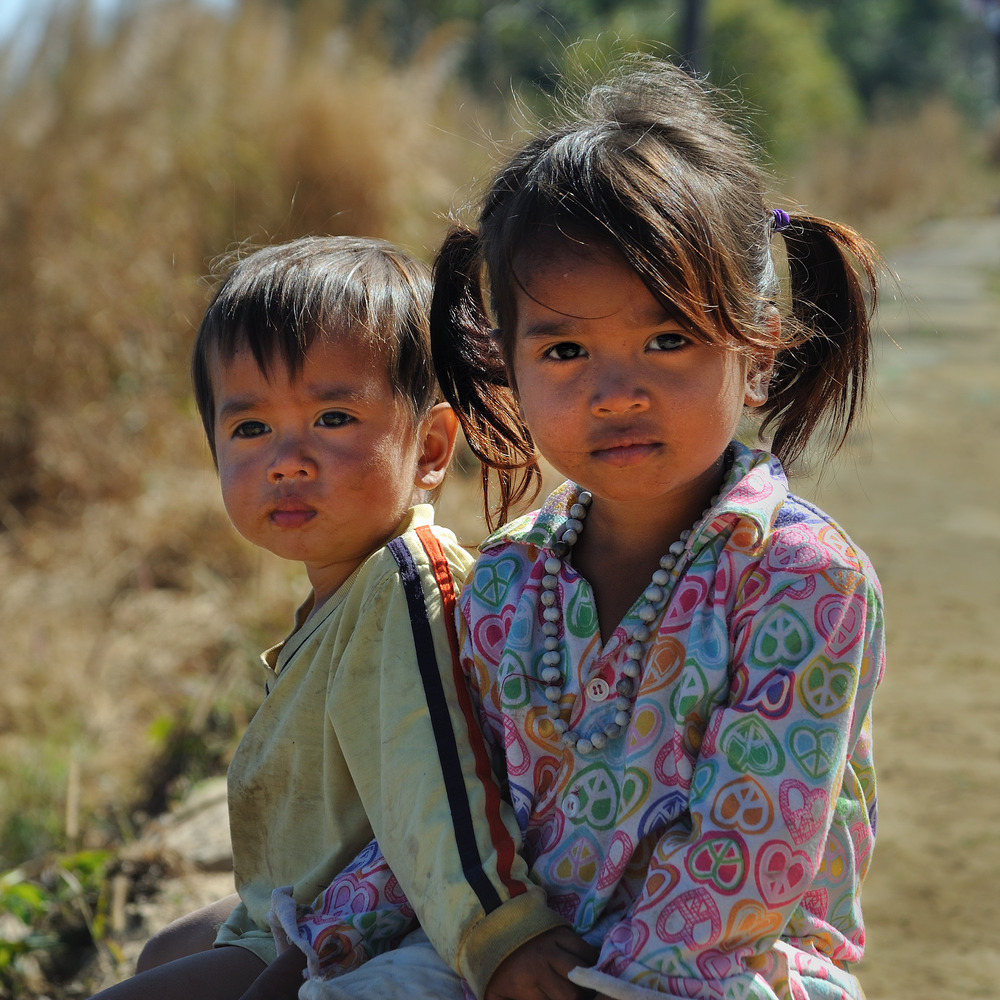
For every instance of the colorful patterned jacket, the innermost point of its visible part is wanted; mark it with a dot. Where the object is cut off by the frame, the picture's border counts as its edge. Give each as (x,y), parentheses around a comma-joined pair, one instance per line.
(717,850)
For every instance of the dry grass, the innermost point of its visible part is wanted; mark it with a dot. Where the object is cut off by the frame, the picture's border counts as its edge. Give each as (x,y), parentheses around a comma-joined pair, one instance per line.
(129,162)
(130,611)
(892,175)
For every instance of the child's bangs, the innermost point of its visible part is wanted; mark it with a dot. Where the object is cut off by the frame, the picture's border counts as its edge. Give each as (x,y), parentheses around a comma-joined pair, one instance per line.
(277,312)
(279,316)
(657,236)
(696,290)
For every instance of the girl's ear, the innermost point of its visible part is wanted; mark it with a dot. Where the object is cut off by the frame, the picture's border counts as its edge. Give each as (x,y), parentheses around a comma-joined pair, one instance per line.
(437,435)
(761,363)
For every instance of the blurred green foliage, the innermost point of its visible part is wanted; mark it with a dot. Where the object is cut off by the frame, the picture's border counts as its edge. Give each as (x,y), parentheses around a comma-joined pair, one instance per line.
(775,55)
(29,825)
(903,51)
(834,57)
(47,913)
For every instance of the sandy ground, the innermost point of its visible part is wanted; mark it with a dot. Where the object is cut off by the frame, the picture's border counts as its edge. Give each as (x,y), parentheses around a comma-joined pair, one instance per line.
(918,490)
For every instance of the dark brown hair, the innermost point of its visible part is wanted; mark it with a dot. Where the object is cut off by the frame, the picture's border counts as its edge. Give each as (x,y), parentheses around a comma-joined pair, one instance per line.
(645,163)
(278,299)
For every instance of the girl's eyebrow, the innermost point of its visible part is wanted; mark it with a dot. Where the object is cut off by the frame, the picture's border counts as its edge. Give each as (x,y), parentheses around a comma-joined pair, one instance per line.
(654,316)
(547,328)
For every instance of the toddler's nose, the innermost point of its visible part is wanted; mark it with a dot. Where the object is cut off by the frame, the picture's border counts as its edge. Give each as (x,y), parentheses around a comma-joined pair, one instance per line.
(291,462)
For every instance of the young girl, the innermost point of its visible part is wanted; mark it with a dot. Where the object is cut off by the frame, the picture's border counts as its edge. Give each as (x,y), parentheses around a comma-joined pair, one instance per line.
(673,660)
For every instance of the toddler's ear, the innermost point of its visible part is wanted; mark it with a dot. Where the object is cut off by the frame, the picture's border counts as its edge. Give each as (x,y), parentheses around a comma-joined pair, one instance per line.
(761,363)
(437,434)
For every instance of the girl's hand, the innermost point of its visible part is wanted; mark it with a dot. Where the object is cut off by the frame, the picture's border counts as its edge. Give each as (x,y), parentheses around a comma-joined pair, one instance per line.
(538,969)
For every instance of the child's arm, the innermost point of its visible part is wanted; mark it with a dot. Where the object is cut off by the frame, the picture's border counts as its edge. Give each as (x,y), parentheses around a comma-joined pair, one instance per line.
(413,744)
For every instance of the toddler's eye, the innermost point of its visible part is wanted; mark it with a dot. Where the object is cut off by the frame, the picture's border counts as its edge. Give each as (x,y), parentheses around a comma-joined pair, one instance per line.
(334,418)
(565,351)
(250,429)
(667,342)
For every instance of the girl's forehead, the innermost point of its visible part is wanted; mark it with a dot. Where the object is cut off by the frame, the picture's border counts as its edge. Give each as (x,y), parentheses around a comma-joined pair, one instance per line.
(560,280)
(582,284)
(549,242)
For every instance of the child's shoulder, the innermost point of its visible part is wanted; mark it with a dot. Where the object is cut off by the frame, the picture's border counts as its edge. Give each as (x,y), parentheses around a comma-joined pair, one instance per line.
(788,533)
(809,532)
(422,565)
(426,553)
(423,546)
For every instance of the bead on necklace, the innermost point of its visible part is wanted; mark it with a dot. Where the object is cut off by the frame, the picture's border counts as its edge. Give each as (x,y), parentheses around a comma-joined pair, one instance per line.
(654,600)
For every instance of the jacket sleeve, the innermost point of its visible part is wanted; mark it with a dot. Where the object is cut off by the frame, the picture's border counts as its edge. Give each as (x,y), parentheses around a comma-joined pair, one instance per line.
(362,913)
(782,801)
(403,714)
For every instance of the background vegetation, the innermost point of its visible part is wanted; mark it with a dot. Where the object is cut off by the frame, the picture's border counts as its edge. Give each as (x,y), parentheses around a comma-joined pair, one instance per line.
(134,150)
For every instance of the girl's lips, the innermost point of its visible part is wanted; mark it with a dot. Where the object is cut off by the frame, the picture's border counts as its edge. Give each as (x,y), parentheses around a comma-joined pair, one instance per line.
(621,455)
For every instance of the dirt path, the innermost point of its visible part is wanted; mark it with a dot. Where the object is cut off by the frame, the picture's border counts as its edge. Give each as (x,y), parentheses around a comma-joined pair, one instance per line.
(919,491)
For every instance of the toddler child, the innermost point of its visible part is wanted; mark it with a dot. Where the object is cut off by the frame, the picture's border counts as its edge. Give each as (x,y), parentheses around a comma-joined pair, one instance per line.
(674,659)
(313,376)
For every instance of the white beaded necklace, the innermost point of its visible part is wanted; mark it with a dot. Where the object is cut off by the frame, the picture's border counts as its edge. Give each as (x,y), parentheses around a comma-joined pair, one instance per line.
(655,597)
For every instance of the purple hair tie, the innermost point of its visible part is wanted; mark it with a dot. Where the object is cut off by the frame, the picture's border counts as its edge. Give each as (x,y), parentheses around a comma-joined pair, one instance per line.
(780,219)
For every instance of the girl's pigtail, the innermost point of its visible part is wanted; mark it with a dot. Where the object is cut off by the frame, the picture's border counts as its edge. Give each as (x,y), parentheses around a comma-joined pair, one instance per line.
(822,375)
(473,376)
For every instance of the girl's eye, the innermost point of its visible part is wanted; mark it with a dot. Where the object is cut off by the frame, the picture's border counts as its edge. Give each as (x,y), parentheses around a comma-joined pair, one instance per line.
(565,351)
(334,418)
(668,342)
(250,429)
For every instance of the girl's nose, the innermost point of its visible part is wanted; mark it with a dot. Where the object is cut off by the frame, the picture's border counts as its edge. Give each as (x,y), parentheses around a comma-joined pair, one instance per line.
(618,394)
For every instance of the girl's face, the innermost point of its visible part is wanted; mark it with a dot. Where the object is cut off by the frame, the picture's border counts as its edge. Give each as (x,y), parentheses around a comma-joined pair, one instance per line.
(617,396)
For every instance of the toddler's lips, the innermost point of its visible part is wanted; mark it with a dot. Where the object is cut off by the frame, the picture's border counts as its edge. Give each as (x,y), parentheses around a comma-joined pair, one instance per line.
(292,515)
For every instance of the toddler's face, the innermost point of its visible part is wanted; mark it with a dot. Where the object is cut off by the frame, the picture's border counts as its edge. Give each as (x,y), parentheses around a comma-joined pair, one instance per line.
(319,468)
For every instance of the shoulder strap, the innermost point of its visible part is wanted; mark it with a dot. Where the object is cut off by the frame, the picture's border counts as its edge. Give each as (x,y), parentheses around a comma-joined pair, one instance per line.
(437,702)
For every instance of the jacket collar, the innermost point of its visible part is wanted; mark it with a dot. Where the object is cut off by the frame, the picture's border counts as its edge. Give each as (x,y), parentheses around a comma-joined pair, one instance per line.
(752,495)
